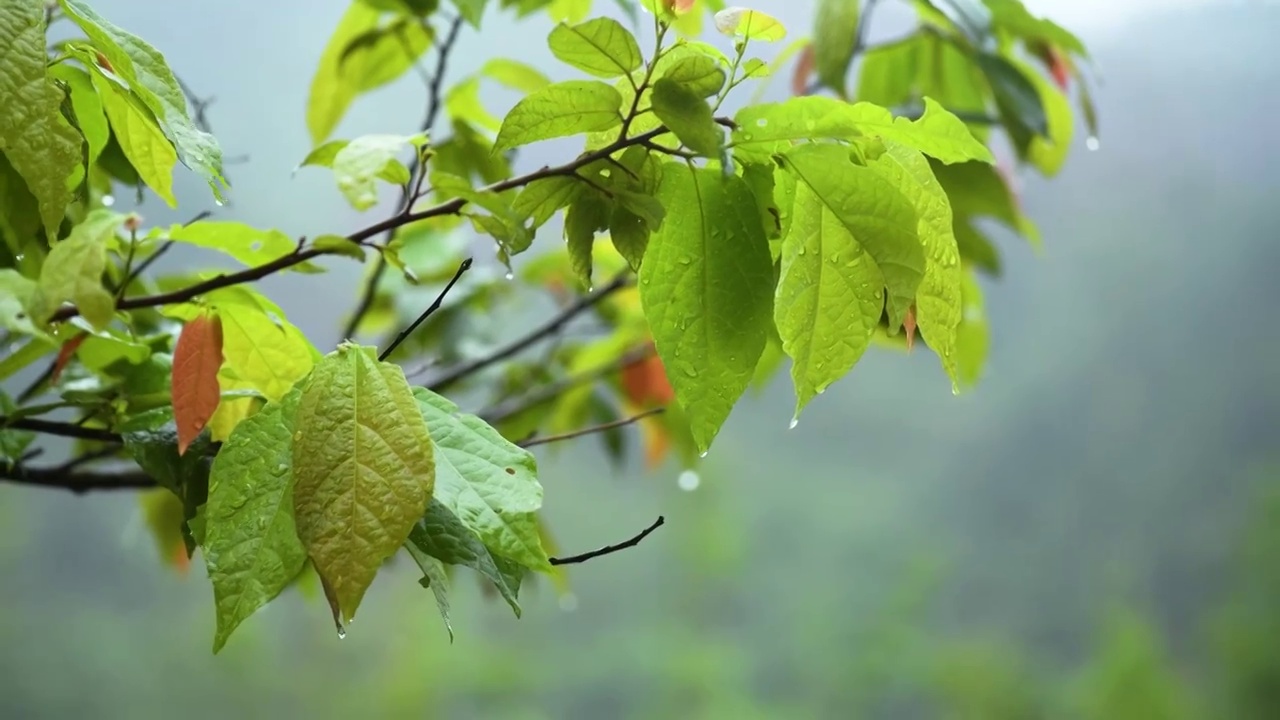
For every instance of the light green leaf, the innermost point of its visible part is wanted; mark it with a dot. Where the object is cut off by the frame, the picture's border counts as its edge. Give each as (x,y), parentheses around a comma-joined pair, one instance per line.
(586,216)
(1049,152)
(878,216)
(471,10)
(600,47)
(889,73)
(339,245)
(749,24)
(830,296)
(540,199)
(16,296)
(687,115)
(937,133)
(972,337)
(434,578)
(342,75)
(769,128)
(938,298)
(73,270)
(251,547)
(149,76)
(505,224)
(696,72)
(834,37)
(443,536)
(515,74)
(358,163)
(705,287)
(488,483)
(246,244)
(90,116)
(560,110)
(34,136)
(363,469)
(142,140)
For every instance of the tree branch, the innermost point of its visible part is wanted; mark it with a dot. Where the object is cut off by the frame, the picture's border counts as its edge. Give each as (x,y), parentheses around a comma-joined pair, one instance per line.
(548,329)
(497,414)
(60,429)
(449,207)
(594,429)
(409,193)
(610,549)
(465,266)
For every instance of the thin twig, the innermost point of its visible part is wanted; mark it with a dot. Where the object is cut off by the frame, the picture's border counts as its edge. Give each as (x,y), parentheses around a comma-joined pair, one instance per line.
(548,329)
(410,190)
(610,549)
(498,413)
(59,478)
(465,266)
(60,429)
(603,427)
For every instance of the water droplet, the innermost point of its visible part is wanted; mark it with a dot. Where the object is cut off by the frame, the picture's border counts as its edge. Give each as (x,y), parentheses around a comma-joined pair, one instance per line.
(108,200)
(746,136)
(689,480)
(297,436)
(802,250)
(955,389)
(690,370)
(686,260)
(703,454)
(1092,143)
(281,469)
(568,602)
(762,122)
(219,203)
(342,633)
(794,422)
(510,275)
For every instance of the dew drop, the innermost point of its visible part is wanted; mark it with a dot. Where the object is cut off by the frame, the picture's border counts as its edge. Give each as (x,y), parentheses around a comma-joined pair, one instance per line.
(1092,143)
(568,602)
(762,122)
(703,454)
(297,436)
(342,633)
(690,370)
(510,275)
(108,200)
(686,260)
(794,422)
(219,203)
(688,480)
(281,469)
(802,250)
(955,389)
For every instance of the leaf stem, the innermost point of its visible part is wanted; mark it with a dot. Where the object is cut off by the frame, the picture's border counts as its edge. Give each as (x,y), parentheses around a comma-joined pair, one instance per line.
(463,268)
(594,429)
(610,549)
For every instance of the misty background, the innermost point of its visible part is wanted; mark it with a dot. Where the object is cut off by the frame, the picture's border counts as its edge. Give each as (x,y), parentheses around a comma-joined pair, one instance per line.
(1090,526)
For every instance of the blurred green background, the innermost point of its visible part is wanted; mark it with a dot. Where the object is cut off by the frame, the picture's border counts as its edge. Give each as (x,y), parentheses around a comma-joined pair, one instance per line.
(1094,532)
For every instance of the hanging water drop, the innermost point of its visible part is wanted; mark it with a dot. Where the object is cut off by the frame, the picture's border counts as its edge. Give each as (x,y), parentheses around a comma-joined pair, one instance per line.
(703,454)
(794,422)
(510,275)
(690,370)
(1092,143)
(108,200)
(688,481)
(955,389)
(342,633)
(218,202)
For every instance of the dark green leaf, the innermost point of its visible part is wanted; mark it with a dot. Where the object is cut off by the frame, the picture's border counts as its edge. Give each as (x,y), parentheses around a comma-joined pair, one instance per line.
(687,115)
(443,536)
(584,218)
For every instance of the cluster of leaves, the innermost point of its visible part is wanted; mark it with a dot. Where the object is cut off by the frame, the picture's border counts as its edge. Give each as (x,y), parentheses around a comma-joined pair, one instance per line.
(800,230)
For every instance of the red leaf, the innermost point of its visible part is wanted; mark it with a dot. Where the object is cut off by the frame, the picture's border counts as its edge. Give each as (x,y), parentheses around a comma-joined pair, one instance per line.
(64,356)
(804,69)
(644,382)
(909,323)
(1060,67)
(104,63)
(196,361)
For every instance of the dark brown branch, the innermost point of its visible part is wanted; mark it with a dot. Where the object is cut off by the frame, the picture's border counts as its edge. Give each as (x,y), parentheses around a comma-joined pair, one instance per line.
(409,193)
(64,479)
(50,427)
(594,429)
(610,549)
(465,266)
(551,327)
(497,414)
(450,207)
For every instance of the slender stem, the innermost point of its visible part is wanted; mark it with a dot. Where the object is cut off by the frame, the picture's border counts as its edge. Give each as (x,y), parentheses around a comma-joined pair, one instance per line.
(610,549)
(498,413)
(603,427)
(64,479)
(463,268)
(50,427)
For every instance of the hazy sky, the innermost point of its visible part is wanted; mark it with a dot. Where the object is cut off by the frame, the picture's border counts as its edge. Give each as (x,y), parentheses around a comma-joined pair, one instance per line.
(1096,15)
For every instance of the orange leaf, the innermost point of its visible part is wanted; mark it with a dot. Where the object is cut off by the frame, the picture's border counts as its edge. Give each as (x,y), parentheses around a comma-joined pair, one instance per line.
(909,322)
(196,361)
(104,63)
(64,356)
(644,382)
(657,441)
(804,68)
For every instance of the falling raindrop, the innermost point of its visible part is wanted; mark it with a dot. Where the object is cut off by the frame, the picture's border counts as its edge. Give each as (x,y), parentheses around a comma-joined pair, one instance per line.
(568,602)
(108,200)
(510,275)
(342,633)
(219,203)
(688,481)
(1092,143)
(794,422)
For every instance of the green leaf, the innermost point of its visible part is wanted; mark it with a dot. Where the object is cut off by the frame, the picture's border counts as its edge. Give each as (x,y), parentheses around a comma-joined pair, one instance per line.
(830,296)
(471,10)
(488,483)
(972,337)
(878,216)
(151,439)
(358,163)
(541,199)
(13,443)
(586,216)
(938,298)
(834,36)
(443,536)
(515,74)
(505,225)
(600,47)
(34,136)
(246,244)
(141,139)
(73,270)
(560,110)
(435,579)
(769,128)
(19,211)
(889,73)
(629,234)
(687,115)
(251,546)
(977,190)
(1016,96)
(342,75)
(749,24)
(696,72)
(90,117)
(150,78)
(706,289)
(937,133)
(363,469)
(1049,152)
(339,245)
(16,296)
